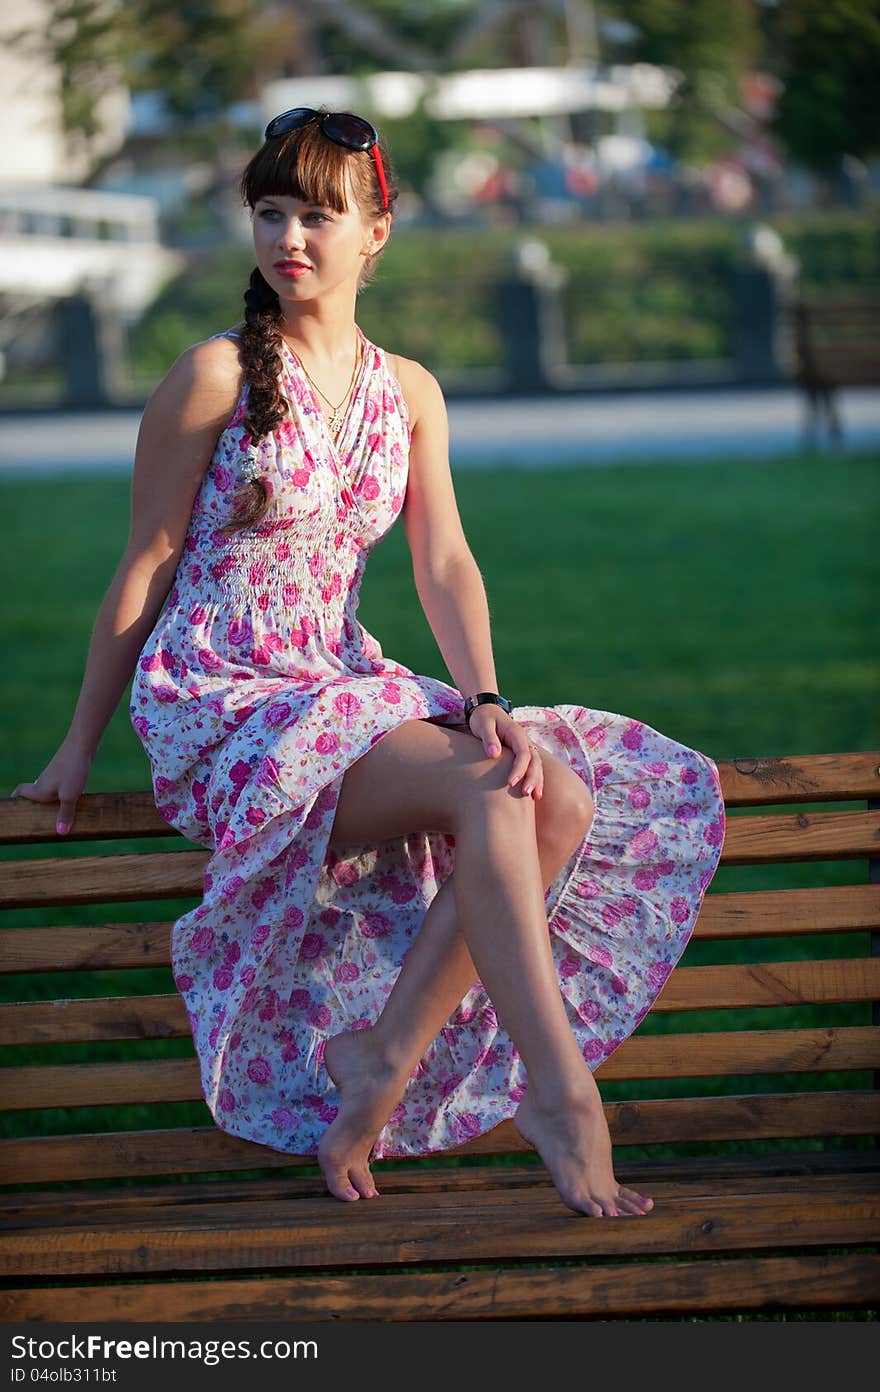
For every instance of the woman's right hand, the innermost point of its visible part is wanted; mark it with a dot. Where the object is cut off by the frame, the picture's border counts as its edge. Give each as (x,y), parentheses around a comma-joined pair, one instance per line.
(62,780)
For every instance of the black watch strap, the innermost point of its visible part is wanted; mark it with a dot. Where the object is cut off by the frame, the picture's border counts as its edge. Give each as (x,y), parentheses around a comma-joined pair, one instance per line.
(483,698)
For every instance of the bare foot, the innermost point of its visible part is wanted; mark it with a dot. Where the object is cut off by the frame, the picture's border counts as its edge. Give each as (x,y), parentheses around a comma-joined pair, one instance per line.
(575,1145)
(370,1088)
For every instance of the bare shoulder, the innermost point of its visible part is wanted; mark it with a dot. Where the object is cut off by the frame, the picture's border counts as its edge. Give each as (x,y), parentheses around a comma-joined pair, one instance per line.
(182,420)
(196,398)
(421,390)
(208,376)
(216,356)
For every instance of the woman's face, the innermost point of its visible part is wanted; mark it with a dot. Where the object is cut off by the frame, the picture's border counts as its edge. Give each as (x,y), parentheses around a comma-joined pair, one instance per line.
(333,246)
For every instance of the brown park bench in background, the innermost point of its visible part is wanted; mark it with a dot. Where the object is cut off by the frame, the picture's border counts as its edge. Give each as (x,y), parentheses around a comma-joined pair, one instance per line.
(783,1216)
(834,343)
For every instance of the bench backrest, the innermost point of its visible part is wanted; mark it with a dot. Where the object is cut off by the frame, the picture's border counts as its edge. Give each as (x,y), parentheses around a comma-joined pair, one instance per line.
(835,342)
(805,947)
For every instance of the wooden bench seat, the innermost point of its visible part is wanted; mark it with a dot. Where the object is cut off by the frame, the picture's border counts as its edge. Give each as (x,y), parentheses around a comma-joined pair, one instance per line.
(767,1197)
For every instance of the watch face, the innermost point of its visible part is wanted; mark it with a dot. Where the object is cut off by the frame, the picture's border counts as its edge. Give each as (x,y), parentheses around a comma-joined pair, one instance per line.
(472,702)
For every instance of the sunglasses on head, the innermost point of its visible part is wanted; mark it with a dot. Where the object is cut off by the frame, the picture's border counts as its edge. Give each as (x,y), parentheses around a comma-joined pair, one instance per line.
(342,126)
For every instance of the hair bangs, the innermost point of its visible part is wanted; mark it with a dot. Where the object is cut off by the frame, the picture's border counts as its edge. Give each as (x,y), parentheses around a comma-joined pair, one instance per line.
(302,164)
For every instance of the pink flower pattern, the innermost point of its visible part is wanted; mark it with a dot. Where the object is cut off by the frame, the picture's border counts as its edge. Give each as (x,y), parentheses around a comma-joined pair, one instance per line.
(254,693)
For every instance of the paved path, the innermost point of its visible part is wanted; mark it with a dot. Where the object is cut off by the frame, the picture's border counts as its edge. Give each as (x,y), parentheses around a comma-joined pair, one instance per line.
(614,428)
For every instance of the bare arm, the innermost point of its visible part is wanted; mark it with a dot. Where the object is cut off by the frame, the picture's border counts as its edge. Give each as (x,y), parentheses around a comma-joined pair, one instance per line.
(178,433)
(448,580)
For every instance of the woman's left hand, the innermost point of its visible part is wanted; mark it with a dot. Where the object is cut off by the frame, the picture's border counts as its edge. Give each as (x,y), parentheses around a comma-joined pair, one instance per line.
(491,724)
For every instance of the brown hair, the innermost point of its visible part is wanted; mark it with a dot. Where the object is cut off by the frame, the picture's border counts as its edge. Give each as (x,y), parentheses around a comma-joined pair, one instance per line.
(303,164)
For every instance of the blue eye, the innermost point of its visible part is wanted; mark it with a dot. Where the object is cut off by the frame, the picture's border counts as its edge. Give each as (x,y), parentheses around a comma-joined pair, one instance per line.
(266,212)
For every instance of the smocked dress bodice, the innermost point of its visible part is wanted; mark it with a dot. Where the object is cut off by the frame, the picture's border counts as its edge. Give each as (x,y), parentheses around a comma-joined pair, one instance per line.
(285,591)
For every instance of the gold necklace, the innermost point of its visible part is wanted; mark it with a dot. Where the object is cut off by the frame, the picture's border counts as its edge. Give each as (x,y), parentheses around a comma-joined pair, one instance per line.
(338,414)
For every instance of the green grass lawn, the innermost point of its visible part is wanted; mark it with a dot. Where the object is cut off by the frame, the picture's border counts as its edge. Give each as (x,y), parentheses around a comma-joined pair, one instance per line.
(731,606)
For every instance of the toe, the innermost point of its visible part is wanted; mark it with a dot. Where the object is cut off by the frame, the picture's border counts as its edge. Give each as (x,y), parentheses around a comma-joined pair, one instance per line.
(627,1207)
(341,1189)
(363,1182)
(337,1181)
(642,1202)
(589,1206)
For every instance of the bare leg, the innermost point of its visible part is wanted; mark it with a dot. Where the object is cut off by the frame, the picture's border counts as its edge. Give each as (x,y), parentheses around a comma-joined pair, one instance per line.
(419,780)
(501,912)
(372,1066)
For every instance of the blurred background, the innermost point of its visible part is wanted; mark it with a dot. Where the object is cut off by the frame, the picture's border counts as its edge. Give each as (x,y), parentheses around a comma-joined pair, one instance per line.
(625,195)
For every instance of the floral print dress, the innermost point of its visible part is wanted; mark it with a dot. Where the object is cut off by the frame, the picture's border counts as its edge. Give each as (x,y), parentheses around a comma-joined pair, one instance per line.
(257,689)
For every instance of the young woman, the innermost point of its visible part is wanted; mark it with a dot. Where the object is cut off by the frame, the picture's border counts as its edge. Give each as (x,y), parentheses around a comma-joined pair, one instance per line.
(426,910)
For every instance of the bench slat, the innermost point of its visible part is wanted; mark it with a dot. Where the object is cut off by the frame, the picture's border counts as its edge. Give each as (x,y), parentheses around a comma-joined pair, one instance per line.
(689,1287)
(857,305)
(87,947)
(59,881)
(834,369)
(463,1226)
(99,817)
(744,782)
(759,913)
(763,782)
(102,879)
(668,1121)
(732,986)
(151,1080)
(711,1174)
(490,1180)
(301,1208)
(801,836)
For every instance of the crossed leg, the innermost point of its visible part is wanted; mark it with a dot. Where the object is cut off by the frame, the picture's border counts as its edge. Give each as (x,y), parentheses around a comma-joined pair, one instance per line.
(374,1064)
(428,777)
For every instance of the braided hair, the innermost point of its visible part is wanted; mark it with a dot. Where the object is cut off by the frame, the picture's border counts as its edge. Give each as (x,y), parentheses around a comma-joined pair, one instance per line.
(303,164)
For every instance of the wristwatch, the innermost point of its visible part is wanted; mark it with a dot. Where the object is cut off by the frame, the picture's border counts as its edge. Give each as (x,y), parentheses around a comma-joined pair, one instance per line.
(482,698)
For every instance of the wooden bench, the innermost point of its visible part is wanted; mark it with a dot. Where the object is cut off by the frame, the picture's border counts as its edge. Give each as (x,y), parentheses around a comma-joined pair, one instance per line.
(832,343)
(767,1194)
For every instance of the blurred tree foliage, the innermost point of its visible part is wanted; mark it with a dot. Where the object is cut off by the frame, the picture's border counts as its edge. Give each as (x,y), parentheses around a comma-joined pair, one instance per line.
(201,56)
(204,55)
(829,56)
(711,45)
